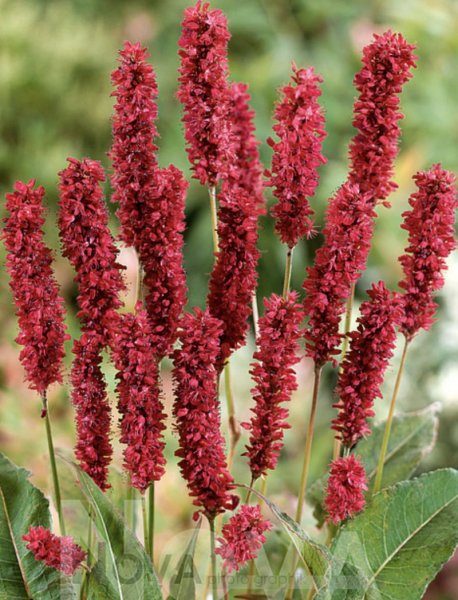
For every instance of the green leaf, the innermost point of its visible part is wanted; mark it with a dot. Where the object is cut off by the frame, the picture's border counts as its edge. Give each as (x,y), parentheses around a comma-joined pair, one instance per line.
(123,570)
(182,585)
(23,506)
(413,436)
(315,557)
(402,539)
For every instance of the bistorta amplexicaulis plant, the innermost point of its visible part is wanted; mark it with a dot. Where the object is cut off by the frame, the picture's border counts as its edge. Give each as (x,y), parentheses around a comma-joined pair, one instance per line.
(378,531)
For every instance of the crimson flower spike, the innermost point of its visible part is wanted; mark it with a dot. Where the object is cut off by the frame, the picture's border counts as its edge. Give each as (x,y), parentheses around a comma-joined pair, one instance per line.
(345,490)
(387,64)
(297,155)
(364,366)
(39,306)
(203,91)
(275,380)
(234,276)
(133,152)
(60,553)
(139,404)
(338,264)
(197,417)
(430,224)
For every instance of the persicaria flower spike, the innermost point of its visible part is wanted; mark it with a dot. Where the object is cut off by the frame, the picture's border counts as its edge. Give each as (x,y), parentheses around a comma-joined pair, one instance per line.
(364,366)
(89,245)
(297,155)
(430,224)
(338,264)
(346,486)
(60,553)
(196,411)
(242,537)
(93,447)
(234,276)
(203,91)
(387,64)
(133,152)
(275,380)
(39,306)
(139,402)
(161,256)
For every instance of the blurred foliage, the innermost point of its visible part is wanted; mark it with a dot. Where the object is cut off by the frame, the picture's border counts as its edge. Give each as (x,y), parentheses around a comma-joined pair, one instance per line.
(55,62)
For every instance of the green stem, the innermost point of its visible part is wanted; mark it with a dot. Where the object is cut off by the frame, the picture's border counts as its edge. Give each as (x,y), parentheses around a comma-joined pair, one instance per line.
(151,521)
(52,458)
(255,316)
(308,445)
(389,421)
(145,523)
(234,429)
(213,559)
(213,211)
(346,342)
(288,270)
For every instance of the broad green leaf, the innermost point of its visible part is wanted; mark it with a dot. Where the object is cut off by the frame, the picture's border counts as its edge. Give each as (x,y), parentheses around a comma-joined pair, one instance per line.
(23,506)
(402,539)
(315,558)
(182,584)
(123,570)
(413,436)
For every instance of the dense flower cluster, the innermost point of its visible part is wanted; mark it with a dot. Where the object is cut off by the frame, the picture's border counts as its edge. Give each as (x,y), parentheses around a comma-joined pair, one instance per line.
(60,553)
(161,256)
(134,130)
(139,404)
(430,224)
(338,264)
(39,306)
(297,155)
(275,380)
(242,537)
(387,63)
(234,276)
(196,410)
(93,448)
(204,91)
(346,486)
(89,245)
(362,371)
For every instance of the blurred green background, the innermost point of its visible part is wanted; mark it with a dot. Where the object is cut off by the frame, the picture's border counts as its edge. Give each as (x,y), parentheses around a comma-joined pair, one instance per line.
(55,64)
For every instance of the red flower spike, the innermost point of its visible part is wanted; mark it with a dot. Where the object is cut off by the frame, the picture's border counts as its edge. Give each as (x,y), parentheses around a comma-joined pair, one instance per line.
(140,406)
(364,366)
(93,448)
(346,486)
(430,224)
(161,255)
(204,91)
(297,155)
(196,411)
(133,152)
(60,553)
(242,537)
(234,276)
(275,380)
(338,264)
(39,306)
(89,246)
(387,63)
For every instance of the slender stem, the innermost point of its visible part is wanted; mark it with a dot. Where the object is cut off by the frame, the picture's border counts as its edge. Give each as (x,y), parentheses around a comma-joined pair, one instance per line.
(248,496)
(213,559)
(212,193)
(151,521)
(234,429)
(308,445)
(346,341)
(84,594)
(389,421)
(52,459)
(288,270)
(255,316)
(145,524)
